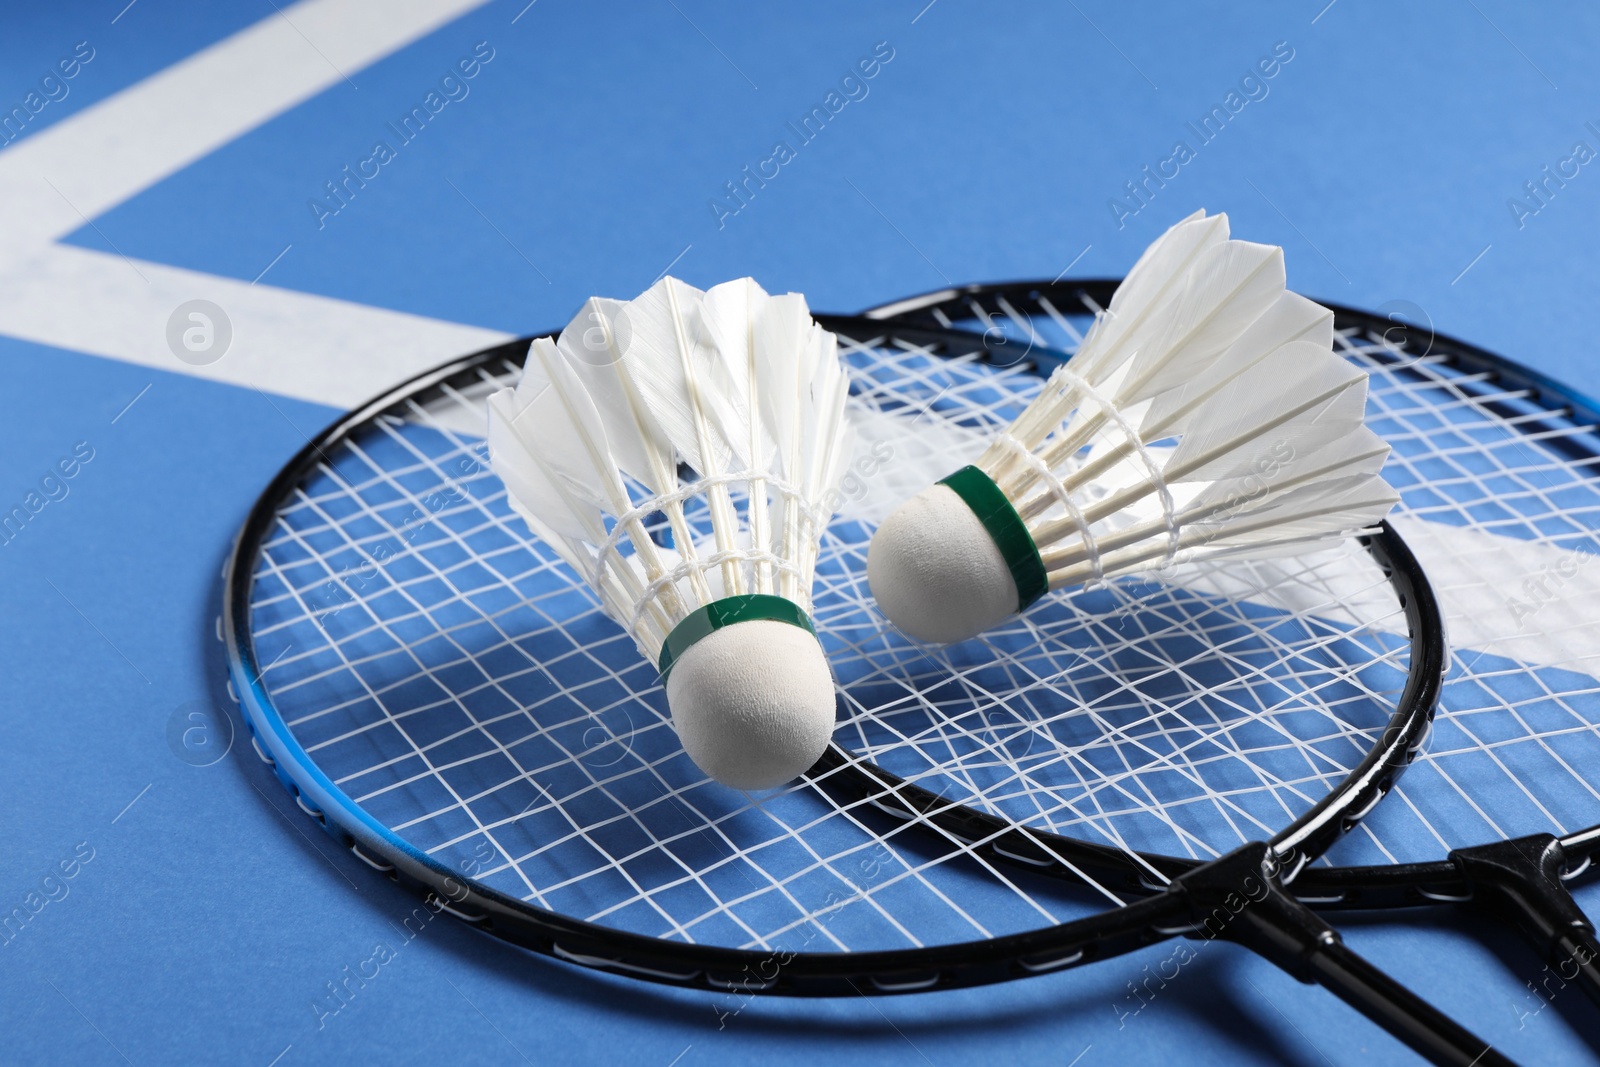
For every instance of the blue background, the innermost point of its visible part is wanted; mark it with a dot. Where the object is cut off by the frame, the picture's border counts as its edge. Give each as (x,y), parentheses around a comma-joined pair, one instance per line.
(212,914)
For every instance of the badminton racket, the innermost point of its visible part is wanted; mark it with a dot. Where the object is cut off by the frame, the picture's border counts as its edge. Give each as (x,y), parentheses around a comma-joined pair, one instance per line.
(448,701)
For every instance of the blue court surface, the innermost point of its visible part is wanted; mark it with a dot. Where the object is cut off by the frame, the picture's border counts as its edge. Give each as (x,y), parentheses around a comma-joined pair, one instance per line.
(360,189)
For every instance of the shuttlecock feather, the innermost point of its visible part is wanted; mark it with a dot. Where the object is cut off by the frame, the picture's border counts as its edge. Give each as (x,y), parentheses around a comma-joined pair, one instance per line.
(1205,415)
(679,451)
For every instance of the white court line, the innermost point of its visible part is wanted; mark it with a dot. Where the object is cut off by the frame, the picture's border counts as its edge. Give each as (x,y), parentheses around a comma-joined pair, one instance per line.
(1480,577)
(296,344)
(128,142)
(1500,595)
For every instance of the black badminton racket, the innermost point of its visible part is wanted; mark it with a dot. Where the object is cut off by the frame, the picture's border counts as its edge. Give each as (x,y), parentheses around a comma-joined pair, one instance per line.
(446,698)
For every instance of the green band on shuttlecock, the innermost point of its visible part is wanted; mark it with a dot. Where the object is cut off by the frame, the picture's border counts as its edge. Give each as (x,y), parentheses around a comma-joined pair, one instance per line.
(725,612)
(978,491)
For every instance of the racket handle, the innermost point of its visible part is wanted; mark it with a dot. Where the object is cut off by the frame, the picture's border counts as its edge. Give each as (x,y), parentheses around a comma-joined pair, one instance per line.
(1520,880)
(1239,898)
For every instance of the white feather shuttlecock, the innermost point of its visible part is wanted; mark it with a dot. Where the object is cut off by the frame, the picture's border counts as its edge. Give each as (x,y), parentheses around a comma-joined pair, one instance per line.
(1205,415)
(679,451)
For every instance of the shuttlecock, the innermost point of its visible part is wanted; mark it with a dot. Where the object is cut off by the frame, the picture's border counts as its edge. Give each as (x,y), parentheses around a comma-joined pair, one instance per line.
(1205,414)
(678,450)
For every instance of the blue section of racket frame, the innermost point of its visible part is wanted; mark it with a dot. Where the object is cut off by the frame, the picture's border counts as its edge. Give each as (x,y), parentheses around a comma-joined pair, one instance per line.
(348,823)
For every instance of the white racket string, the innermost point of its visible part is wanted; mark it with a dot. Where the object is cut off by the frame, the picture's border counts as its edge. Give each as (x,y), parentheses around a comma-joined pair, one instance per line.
(459,683)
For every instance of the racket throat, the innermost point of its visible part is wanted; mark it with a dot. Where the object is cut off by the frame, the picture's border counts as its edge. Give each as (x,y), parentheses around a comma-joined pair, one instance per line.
(1522,880)
(1240,898)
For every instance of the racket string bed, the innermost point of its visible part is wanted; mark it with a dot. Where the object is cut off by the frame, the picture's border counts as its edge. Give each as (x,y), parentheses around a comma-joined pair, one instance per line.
(460,710)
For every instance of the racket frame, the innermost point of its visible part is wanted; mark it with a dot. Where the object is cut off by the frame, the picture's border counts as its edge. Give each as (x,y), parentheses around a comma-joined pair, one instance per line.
(1276,925)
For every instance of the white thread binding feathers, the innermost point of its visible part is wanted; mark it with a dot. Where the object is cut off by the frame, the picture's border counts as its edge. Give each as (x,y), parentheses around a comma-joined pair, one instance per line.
(1201,344)
(747,391)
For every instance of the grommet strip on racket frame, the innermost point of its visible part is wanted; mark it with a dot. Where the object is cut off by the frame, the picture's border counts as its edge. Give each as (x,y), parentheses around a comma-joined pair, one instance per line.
(1276,926)
(1521,880)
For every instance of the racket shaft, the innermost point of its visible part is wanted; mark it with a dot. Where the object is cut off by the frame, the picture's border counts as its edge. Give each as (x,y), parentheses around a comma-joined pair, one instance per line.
(1578,951)
(1239,898)
(1428,1031)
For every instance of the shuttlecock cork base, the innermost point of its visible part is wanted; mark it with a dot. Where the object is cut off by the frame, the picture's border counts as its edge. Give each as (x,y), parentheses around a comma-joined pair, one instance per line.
(954,560)
(749,689)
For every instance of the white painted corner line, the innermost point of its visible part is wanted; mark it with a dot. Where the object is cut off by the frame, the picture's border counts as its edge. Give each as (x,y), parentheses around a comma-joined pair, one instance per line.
(296,344)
